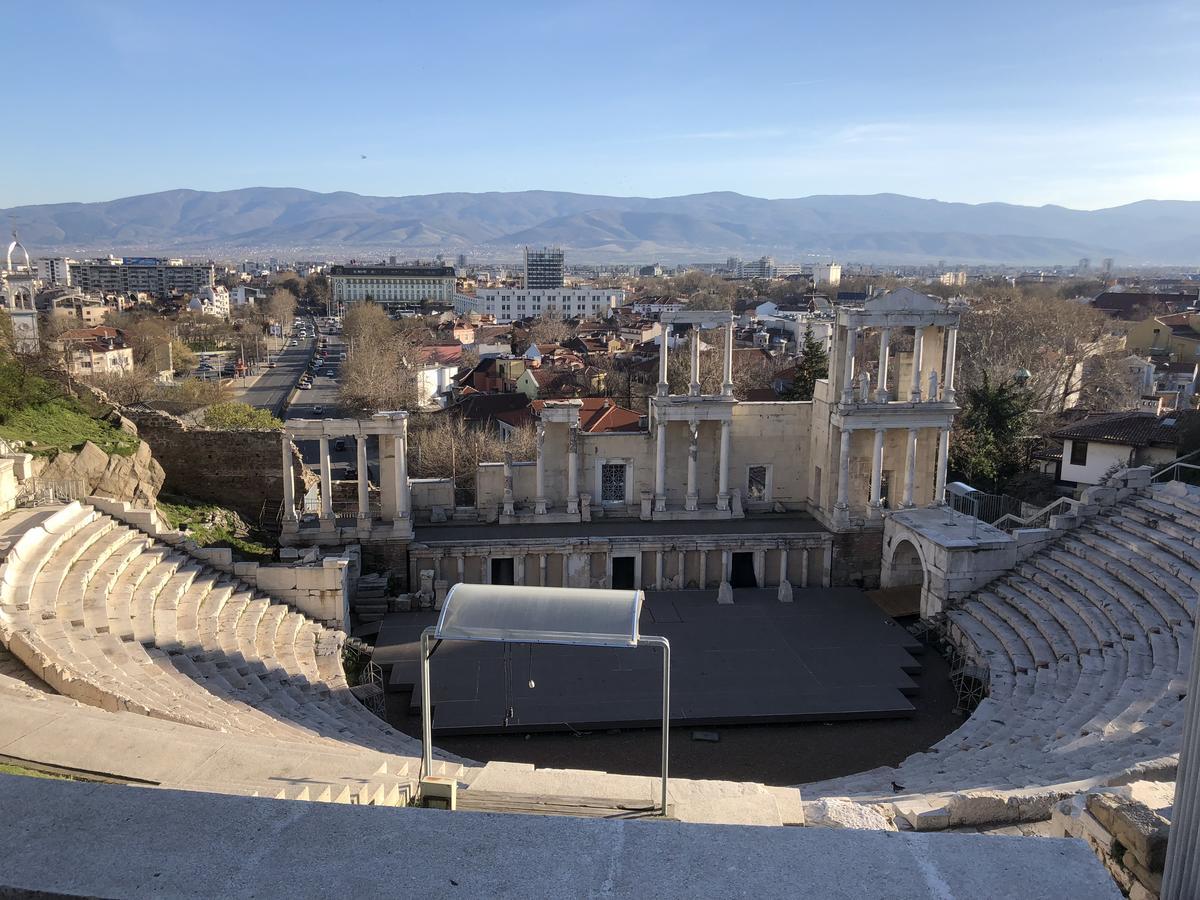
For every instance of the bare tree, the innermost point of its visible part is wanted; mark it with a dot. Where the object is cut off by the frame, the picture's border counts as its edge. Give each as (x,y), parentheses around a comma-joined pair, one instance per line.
(1068,348)
(281,306)
(380,371)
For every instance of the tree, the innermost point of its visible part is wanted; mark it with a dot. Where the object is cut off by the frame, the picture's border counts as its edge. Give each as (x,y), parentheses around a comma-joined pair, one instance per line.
(990,441)
(281,306)
(239,417)
(380,371)
(812,366)
(182,358)
(1069,349)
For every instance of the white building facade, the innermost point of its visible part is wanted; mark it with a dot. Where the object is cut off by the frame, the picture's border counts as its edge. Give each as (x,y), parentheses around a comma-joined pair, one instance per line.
(398,288)
(512,304)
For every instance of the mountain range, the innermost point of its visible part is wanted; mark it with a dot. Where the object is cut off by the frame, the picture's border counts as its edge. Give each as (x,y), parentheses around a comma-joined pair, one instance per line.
(881,228)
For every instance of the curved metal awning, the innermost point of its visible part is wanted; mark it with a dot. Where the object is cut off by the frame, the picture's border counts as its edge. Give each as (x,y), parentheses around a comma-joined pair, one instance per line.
(540,615)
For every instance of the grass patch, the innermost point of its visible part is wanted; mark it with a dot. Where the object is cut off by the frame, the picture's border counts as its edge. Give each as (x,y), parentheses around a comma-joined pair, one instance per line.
(10,769)
(59,425)
(214,526)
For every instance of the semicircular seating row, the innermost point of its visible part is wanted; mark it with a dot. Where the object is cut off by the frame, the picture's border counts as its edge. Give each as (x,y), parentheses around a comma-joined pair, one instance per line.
(1087,645)
(112,618)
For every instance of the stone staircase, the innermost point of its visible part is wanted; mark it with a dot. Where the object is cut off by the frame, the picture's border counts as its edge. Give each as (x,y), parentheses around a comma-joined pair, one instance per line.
(104,615)
(1087,645)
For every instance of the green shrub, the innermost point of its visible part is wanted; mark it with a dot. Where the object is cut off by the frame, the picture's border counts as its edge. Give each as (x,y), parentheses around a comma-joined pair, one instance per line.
(240,417)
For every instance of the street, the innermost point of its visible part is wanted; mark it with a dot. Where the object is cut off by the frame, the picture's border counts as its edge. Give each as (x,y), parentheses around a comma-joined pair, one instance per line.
(271,387)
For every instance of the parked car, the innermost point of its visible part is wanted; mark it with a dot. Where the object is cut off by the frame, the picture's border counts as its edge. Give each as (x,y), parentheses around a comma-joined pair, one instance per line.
(331,373)
(305,386)
(318,410)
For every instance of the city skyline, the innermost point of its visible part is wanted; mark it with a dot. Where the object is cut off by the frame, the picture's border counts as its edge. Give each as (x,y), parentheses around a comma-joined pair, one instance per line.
(1028,106)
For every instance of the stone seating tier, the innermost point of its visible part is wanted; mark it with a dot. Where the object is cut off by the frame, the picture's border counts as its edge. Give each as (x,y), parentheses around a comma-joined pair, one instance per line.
(109,617)
(1087,646)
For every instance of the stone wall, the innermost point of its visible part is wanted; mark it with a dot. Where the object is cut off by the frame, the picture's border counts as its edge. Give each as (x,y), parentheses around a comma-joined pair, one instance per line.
(856,558)
(239,470)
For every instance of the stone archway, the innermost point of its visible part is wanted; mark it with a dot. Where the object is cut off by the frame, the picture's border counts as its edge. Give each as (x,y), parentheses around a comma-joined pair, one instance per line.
(904,566)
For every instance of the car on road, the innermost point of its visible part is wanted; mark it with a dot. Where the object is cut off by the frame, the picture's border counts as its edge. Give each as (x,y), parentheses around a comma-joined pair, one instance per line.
(305,386)
(272,364)
(318,410)
(295,343)
(331,373)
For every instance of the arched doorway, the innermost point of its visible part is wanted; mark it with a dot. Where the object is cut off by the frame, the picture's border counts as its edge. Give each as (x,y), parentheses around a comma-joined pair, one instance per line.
(906,568)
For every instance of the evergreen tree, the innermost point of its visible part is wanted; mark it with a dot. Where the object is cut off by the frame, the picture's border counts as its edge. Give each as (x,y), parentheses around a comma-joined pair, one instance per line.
(812,365)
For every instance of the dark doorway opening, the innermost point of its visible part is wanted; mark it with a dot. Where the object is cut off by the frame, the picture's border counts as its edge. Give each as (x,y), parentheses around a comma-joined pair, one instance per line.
(623,573)
(742,574)
(502,570)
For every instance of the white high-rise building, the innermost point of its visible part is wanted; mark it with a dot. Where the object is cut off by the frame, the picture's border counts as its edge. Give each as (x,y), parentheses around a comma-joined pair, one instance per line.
(55,270)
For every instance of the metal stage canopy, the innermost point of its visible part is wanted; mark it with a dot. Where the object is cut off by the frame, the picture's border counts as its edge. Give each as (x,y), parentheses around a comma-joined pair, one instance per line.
(540,615)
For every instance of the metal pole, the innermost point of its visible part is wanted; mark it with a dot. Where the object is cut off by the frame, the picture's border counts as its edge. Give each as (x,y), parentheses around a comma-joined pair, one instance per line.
(426,714)
(666,708)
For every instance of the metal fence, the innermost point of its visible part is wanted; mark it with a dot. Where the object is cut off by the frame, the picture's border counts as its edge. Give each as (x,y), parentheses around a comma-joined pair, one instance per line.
(986,507)
(40,491)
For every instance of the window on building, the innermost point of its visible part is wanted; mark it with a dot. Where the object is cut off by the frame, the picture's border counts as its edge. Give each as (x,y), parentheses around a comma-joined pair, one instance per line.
(756,483)
(612,483)
(1079,453)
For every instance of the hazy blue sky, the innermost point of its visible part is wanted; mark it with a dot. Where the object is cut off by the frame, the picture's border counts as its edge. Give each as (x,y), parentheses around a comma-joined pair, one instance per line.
(1086,104)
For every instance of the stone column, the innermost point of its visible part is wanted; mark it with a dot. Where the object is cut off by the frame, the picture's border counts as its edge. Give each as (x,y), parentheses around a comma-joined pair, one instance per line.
(848,372)
(843,484)
(509,508)
(573,469)
(402,499)
(877,468)
(694,380)
(726,565)
(326,481)
(881,392)
(727,380)
(541,570)
(723,469)
(702,581)
(658,570)
(364,489)
(519,569)
(664,340)
(783,561)
(910,468)
(939,488)
(486,563)
(804,568)
(914,394)
(289,482)
(1181,876)
(760,568)
(691,501)
(948,374)
(539,502)
(682,570)
(461,563)
(827,574)
(660,467)
(398,476)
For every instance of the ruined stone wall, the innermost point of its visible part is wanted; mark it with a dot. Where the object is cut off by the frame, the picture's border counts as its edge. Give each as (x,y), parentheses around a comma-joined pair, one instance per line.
(239,470)
(856,558)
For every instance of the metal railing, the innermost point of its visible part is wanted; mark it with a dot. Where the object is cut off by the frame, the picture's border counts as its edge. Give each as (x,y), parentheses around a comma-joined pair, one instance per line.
(1180,469)
(40,491)
(1039,518)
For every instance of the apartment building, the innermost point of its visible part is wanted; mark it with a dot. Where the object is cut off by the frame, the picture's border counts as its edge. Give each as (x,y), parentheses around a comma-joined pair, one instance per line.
(132,274)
